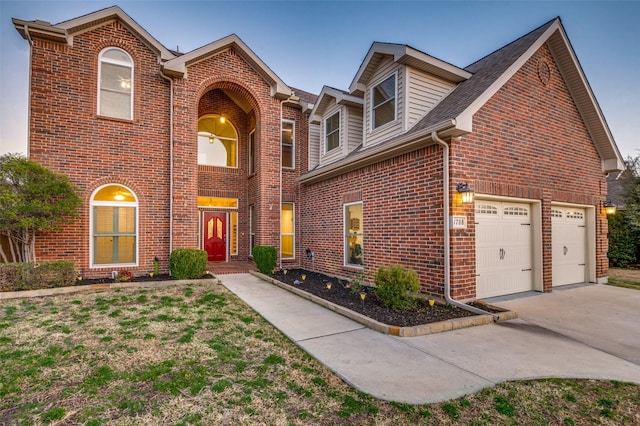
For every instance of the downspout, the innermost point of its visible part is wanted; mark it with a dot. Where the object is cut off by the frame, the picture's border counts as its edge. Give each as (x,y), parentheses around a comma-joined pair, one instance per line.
(30,41)
(447,232)
(170,80)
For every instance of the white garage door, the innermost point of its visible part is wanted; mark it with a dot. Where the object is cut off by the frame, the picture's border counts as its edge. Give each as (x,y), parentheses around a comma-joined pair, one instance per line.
(569,245)
(503,248)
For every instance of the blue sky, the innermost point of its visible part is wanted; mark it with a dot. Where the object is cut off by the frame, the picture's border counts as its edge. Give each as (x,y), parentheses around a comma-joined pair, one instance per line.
(314,43)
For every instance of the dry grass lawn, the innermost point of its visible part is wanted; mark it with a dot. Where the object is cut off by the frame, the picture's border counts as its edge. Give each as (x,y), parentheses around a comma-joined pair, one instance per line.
(197,355)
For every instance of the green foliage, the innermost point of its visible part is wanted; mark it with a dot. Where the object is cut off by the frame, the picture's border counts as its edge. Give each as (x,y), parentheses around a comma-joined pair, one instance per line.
(357,283)
(623,241)
(187,264)
(33,276)
(124,276)
(265,258)
(396,287)
(33,199)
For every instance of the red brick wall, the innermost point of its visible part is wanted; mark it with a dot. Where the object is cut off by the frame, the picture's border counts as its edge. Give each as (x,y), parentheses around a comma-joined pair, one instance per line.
(402,217)
(66,135)
(528,141)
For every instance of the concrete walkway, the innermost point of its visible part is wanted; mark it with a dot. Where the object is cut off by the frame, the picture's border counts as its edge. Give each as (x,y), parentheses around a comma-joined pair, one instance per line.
(436,367)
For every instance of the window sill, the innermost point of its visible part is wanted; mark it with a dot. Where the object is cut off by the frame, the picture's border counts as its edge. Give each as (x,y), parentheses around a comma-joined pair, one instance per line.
(116,119)
(352,268)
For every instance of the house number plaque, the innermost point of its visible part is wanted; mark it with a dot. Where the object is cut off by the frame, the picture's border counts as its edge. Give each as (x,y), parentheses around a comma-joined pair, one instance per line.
(458,222)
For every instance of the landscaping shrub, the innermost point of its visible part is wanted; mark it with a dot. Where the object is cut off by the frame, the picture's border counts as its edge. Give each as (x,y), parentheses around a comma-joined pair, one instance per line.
(265,258)
(124,276)
(187,264)
(396,287)
(34,276)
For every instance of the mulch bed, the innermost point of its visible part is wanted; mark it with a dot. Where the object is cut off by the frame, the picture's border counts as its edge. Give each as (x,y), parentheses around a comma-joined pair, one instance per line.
(341,294)
(138,279)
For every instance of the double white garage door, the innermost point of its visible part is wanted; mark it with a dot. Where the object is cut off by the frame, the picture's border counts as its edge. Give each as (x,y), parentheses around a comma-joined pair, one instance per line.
(505,247)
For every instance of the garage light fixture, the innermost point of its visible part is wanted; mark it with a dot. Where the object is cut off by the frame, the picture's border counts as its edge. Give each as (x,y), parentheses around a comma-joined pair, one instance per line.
(608,207)
(465,192)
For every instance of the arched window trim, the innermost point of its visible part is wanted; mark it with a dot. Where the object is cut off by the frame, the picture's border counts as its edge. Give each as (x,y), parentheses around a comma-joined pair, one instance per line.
(92,204)
(129,64)
(237,140)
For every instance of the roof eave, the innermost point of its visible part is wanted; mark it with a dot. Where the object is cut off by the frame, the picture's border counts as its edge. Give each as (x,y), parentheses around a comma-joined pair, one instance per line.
(177,67)
(402,145)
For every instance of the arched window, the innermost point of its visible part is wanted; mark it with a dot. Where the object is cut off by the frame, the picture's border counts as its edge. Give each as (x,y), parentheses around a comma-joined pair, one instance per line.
(115,91)
(114,226)
(217,142)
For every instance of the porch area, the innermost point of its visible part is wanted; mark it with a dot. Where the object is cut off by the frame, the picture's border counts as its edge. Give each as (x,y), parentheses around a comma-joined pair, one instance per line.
(238,267)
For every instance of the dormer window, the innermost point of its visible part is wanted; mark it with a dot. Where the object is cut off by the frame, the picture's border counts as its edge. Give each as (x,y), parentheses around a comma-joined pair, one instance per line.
(332,132)
(115,95)
(383,102)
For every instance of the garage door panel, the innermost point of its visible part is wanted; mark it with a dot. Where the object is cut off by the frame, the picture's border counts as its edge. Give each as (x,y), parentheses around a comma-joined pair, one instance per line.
(569,245)
(503,248)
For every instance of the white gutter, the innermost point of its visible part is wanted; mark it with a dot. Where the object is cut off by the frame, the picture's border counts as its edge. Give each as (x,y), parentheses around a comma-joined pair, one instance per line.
(170,80)
(447,232)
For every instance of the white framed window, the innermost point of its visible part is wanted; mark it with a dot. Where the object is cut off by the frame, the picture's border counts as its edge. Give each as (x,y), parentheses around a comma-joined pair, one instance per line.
(252,152)
(287,231)
(332,132)
(114,227)
(383,102)
(252,229)
(217,142)
(353,236)
(115,84)
(288,139)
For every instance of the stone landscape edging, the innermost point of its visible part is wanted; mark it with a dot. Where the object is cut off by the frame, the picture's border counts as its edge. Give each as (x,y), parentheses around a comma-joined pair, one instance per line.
(5,295)
(418,330)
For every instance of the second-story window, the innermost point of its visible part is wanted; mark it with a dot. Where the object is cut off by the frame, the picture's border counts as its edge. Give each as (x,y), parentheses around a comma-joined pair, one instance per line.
(287,139)
(383,102)
(115,94)
(332,132)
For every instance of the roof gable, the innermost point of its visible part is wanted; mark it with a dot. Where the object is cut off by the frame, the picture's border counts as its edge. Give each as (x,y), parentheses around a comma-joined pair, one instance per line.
(177,66)
(493,71)
(405,55)
(324,100)
(65,31)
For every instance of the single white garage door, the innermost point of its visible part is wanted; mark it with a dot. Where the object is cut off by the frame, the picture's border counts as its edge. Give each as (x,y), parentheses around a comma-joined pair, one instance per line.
(503,248)
(569,235)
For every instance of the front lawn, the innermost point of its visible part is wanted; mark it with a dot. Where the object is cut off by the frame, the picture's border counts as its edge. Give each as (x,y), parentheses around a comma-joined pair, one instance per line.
(197,355)
(628,278)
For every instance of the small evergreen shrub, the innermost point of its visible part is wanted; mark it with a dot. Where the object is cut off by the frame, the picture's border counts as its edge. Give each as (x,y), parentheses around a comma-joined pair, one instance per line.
(265,258)
(396,287)
(187,264)
(34,276)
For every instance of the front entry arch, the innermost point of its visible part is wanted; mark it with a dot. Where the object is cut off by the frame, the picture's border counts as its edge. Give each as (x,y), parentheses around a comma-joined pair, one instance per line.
(214,236)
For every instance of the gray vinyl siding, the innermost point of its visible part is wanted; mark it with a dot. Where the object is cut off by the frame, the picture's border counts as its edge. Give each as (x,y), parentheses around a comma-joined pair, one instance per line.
(354,128)
(314,145)
(424,92)
(394,128)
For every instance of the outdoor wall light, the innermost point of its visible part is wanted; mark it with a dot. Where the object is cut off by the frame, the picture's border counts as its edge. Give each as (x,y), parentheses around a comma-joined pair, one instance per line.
(465,192)
(608,207)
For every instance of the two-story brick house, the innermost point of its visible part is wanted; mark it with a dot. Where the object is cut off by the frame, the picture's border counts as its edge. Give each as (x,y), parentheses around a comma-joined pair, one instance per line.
(211,149)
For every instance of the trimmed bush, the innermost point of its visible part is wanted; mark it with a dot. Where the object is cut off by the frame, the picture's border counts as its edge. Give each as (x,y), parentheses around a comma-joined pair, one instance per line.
(187,264)
(34,276)
(397,287)
(265,258)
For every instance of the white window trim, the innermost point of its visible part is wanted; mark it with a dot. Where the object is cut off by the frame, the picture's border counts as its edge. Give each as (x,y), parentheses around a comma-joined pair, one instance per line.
(292,234)
(293,144)
(92,204)
(339,130)
(345,247)
(237,140)
(252,144)
(130,64)
(252,228)
(395,102)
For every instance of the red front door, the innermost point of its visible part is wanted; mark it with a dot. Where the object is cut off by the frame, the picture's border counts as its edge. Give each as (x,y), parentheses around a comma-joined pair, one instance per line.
(215,236)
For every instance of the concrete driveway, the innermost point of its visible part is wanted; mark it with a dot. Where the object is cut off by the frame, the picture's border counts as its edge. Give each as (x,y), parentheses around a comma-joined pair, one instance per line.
(600,316)
(443,366)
